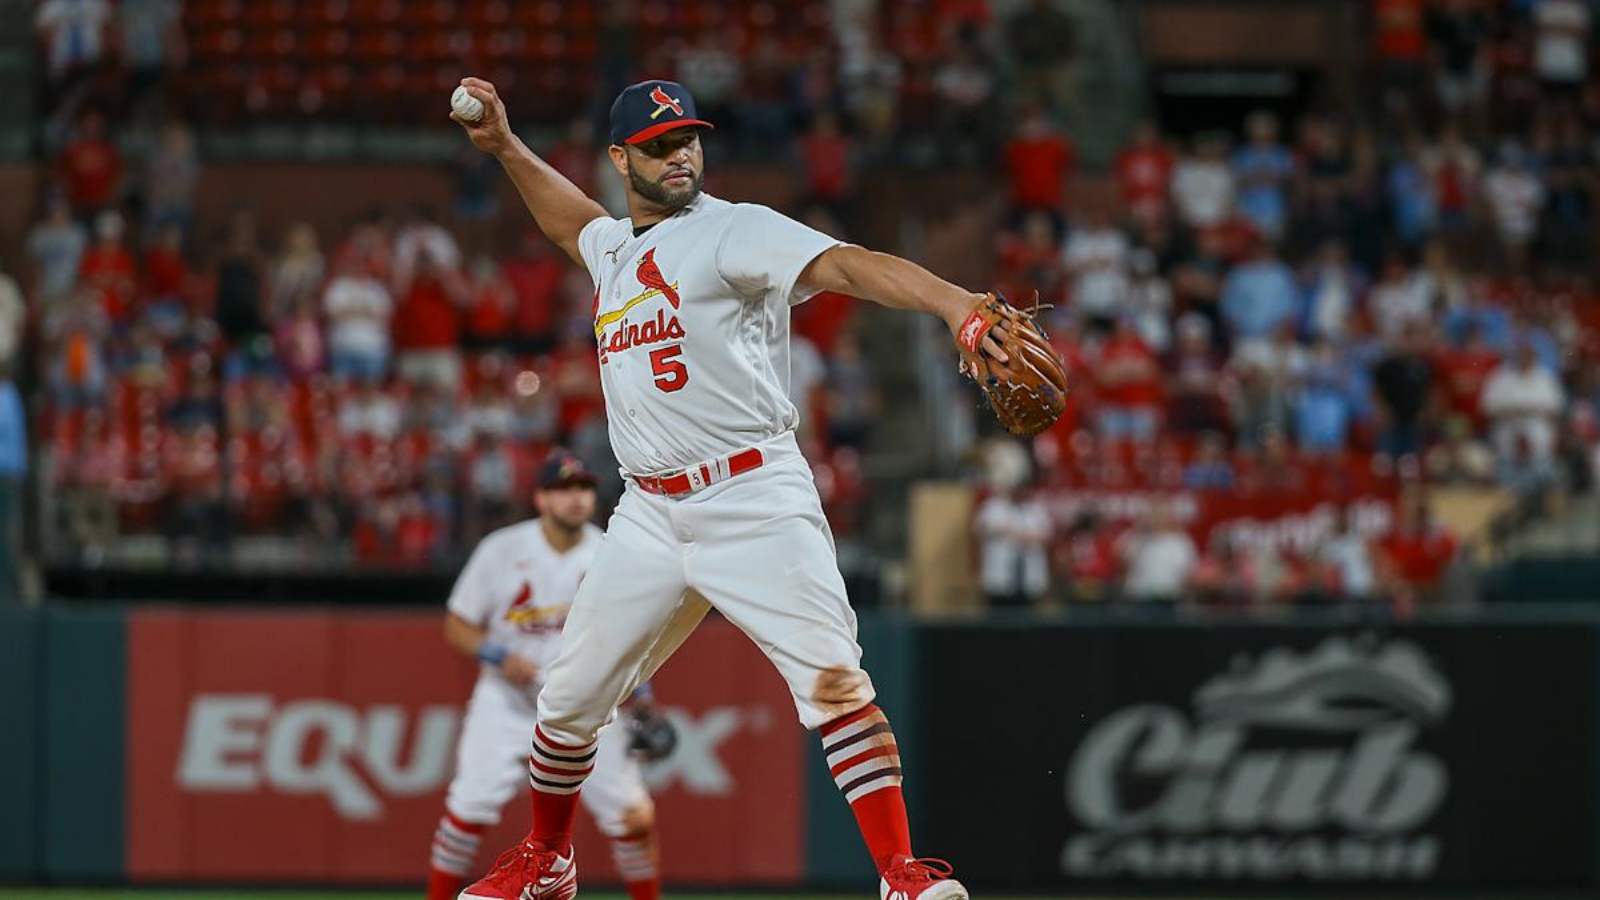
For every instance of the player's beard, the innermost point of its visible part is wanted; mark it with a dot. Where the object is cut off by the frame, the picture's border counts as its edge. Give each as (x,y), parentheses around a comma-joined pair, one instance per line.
(568,525)
(561,530)
(667,198)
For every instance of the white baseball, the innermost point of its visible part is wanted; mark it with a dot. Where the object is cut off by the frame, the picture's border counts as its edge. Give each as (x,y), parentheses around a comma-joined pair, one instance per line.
(466,106)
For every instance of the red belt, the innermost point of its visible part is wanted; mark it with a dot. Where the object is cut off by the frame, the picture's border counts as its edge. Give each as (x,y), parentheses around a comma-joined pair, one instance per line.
(698,476)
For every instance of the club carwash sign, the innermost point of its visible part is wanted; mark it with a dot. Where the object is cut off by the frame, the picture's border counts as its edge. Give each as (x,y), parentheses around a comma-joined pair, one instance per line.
(1292,766)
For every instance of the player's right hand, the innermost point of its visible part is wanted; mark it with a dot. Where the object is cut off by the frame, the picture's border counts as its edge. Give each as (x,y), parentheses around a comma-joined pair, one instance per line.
(518,670)
(491,133)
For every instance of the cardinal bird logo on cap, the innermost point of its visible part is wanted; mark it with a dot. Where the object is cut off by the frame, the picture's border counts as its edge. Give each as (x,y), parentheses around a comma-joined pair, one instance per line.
(649,275)
(663,103)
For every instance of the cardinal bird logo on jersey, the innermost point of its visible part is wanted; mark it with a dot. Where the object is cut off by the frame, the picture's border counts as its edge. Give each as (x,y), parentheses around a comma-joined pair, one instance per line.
(664,102)
(530,619)
(649,275)
(664,327)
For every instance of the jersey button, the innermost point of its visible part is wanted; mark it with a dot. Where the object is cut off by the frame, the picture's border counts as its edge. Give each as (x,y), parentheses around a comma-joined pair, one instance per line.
(632,413)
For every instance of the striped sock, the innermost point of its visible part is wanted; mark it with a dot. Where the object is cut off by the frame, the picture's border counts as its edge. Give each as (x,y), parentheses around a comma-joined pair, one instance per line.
(455,848)
(636,863)
(865,762)
(556,772)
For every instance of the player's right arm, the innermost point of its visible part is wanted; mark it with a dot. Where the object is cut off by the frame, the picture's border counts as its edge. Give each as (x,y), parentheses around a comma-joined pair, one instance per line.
(473,640)
(471,607)
(558,206)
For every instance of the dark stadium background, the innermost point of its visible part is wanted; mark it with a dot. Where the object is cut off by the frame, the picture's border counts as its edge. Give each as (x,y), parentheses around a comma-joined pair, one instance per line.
(1297,599)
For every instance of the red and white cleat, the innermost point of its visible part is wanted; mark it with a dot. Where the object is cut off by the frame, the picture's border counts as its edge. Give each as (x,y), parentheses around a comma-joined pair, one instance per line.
(920,879)
(527,873)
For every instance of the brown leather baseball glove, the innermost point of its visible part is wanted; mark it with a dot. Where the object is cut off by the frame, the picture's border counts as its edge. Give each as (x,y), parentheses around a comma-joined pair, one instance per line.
(1029,390)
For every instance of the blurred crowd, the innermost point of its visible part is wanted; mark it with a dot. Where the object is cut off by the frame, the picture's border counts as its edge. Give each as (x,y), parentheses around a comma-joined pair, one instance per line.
(383,397)
(383,393)
(1404,292)
(1396,294)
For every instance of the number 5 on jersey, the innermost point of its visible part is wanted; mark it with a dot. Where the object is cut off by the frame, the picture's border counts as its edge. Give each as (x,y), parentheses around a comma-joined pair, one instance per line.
(671,375)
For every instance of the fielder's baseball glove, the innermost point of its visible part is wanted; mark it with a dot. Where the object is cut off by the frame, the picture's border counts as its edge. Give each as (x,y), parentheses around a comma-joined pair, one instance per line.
(651,735)
(1029,390)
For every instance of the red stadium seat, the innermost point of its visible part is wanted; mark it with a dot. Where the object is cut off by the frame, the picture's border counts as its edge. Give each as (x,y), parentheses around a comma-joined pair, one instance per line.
(482,14)
(507,44)
(328,44)
(334,12)
(378,46)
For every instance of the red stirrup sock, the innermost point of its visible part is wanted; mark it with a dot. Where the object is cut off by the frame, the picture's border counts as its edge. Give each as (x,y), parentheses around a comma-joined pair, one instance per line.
(556,773)
(865,762)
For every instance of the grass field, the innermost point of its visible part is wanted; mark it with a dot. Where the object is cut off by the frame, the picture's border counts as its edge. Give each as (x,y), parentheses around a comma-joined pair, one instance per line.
(27,893)
(9,893)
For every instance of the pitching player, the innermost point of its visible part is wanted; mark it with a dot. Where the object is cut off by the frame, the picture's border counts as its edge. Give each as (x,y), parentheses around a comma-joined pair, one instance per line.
(506,610)
(691,318)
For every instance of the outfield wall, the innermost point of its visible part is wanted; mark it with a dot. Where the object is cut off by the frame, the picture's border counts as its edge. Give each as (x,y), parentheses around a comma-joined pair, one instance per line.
(164,745)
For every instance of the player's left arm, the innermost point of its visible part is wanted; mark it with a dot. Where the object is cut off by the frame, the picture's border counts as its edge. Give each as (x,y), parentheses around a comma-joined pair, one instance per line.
(890,281)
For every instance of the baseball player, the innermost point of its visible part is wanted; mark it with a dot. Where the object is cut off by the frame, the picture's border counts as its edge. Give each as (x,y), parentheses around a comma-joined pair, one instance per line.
(691,317)
(506,610)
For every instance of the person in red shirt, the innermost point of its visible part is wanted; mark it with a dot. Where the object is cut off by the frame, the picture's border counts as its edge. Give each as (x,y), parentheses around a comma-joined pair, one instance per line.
(535,275)
(1144,171)
(1086,557)
(164,267)
(1463,369)
(827,155)
(1129,381)
(1067,339)
(577,381)
(417,533)
(91,167)
(1400,44)
(491,307)
(822,318)
(427,327)
(1039,160)
(1414,555)
(107,269)
(1030,260)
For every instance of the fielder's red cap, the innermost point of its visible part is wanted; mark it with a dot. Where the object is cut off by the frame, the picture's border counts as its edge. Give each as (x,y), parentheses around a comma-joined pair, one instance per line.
(649,108)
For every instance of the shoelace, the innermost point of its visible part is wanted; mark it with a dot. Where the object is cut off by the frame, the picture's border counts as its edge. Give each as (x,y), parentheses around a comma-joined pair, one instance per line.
(523,856)
(922,868)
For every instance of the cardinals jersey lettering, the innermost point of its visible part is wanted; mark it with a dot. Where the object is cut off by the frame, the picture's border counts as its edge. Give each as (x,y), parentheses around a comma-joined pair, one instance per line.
(691,319)
(519,587)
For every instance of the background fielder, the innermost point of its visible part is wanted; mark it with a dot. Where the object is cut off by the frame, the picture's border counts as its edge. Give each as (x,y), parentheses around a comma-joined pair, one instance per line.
(506,610)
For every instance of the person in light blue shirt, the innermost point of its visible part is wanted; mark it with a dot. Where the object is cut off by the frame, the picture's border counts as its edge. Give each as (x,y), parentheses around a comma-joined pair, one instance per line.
(1322,412)
(1262,168)
(1527,331)
(1412,207)
(1259,295)
(1480,316)
(13,471)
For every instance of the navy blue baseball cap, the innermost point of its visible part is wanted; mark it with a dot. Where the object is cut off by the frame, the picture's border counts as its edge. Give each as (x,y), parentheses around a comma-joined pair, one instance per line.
(562,470)
(649,108)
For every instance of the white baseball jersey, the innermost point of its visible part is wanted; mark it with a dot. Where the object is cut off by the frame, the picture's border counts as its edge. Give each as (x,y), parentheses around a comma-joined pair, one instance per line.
(692,321)
(520,588)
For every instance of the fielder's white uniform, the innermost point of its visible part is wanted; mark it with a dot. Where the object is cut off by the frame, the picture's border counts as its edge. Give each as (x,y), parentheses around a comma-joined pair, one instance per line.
(520,588)
(692,322)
